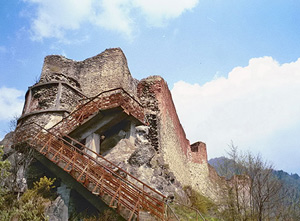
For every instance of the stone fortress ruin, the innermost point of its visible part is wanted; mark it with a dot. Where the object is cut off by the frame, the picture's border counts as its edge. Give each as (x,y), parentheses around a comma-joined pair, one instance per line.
(111,137)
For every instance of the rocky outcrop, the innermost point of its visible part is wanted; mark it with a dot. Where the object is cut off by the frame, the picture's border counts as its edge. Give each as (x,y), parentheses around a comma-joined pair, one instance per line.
(16,182)
(145,152)
(141,160)
(7,142)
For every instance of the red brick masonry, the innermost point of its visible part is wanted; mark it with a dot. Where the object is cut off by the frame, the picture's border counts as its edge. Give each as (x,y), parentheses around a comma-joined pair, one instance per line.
(170,122)
(198,152)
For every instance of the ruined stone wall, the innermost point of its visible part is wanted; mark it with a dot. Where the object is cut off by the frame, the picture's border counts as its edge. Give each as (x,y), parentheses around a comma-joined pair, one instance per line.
(172,143)
(202,181)
(147,97)
(105,71)
(187,162)
(69,98)
(52,95)
(46,104)
(168,115)
(40,98)
(198,153)
(59,68)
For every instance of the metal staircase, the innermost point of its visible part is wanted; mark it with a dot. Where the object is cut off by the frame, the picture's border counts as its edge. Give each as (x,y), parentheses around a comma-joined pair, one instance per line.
(98,175)
(117,188)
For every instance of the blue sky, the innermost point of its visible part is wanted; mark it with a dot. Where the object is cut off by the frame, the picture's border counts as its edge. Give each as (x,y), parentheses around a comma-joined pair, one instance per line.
(232,66)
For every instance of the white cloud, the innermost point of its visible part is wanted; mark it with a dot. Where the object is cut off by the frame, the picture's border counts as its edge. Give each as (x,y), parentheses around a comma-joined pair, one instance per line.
(114,15)
(158,11)
(252,104)
(11,103)
(54,17)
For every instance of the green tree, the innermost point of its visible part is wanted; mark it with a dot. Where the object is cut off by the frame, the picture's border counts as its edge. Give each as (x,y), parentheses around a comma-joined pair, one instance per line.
(31,205)
(252,192)
(4,173)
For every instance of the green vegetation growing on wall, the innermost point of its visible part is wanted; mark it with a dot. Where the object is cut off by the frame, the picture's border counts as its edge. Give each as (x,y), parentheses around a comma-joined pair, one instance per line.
(31,205)
(198,201)
(206,208)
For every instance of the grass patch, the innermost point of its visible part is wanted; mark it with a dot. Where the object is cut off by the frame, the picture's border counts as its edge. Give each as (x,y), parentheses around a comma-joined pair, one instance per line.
(204,205)
(106,215)
(199,202)
(184,213)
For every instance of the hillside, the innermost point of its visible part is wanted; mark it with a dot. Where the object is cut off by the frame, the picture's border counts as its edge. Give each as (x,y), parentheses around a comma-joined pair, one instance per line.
(292,180)
(290,183)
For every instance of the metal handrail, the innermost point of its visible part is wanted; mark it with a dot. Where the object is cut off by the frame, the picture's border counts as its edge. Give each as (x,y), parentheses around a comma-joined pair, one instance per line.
(114,165)
(93,100)
(98,156)
(141,192)
(172,211)
(152,200)
(119,88)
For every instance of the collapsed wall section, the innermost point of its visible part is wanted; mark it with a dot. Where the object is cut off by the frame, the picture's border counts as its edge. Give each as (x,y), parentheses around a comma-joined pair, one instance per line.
(54,95)
(47,103)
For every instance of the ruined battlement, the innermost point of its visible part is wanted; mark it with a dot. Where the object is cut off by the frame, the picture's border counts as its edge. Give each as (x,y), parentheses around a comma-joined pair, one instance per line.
(105,71)
(198,153)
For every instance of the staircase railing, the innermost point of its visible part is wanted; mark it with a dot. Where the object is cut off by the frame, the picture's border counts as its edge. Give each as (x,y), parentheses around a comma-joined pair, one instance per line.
(105,100)
(97,174)
(170,214)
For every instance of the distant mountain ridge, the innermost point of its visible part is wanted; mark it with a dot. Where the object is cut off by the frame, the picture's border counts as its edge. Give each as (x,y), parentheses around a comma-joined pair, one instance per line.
(290,181)
(292,178)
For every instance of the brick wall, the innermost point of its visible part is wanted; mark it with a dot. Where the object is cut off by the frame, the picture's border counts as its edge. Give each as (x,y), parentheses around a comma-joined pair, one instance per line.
(159,99)
(171,141)
(168,113)
(198,152)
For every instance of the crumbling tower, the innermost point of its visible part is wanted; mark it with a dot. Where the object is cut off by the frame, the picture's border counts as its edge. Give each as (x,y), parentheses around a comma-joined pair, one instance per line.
(65,83)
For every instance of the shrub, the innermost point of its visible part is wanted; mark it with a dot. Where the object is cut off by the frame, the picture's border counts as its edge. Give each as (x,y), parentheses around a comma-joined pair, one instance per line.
(4,168)
(106,215)
(32,204)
